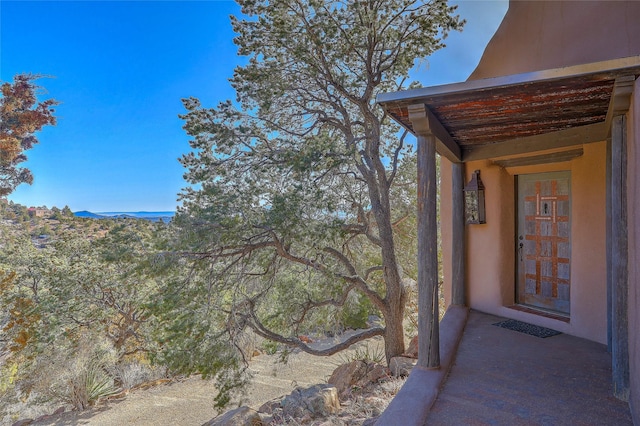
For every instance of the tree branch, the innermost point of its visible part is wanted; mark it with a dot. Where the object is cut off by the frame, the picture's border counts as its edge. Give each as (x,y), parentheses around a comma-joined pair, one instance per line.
(262,331)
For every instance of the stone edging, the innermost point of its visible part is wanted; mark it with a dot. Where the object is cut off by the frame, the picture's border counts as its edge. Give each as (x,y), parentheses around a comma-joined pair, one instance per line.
(412,404)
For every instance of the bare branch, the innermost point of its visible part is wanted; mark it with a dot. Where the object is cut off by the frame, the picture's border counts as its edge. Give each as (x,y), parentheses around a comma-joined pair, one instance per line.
(396,154)
(262,331)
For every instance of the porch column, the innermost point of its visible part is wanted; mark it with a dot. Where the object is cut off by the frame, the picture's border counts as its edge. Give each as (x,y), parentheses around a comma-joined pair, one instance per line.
(428,315)
(457,235)
(617,236)
(618,272)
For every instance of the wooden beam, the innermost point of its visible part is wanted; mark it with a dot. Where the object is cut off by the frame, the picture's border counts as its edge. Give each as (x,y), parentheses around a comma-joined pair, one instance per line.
(608,242)
(425,123)
(457,234)
(555,157)
(428,317)
(620,99)
(618,105)
(619,259)
(569,137)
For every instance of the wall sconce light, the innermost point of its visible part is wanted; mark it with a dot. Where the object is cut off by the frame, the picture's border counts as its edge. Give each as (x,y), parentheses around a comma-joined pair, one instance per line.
(474,200)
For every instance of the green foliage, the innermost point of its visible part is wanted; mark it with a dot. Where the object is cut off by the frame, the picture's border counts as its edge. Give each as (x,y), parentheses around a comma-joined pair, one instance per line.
(80,380)
(300,212)
(270,347)
(190,333)
(356,314)
(77,307)
(95,385)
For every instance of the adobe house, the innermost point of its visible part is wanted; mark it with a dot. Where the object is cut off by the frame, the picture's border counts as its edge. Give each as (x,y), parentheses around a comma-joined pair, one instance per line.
(38,212)
(551,120)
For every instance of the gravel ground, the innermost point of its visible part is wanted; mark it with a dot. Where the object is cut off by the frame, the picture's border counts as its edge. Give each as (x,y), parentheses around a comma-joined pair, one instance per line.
(190,402)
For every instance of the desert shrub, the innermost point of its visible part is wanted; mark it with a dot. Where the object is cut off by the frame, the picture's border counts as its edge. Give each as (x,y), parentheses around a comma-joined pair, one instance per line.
(54,377)
(365,353)
(80,380)
(356,312)
(270,347)
(131,374)
(89,385)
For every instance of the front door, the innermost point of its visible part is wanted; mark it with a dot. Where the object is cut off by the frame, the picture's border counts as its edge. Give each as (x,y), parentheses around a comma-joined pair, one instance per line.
(544,241)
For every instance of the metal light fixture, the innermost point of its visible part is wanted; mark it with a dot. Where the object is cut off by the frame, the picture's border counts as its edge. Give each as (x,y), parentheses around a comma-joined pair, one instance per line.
(474,200)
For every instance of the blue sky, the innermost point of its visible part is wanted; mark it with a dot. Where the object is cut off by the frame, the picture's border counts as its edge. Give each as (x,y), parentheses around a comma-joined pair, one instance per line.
(121,68)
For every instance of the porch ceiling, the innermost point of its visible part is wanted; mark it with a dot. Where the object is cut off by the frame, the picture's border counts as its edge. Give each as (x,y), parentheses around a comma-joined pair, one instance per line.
(521,113)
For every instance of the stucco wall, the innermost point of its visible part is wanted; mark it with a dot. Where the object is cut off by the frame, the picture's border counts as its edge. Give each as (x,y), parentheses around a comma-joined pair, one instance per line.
(533,36)
(492,240)
(633,181)
(490,273)
(539,35)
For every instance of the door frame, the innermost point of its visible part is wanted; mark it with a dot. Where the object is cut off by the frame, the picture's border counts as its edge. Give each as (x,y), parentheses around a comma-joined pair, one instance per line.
(519,222)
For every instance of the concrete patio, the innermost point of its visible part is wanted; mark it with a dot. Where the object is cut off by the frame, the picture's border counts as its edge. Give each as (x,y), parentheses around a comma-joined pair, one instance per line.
(504,377)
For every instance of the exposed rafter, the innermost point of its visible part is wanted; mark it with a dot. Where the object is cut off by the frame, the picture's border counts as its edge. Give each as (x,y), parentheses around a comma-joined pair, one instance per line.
(521,113)
(620,99)
(425,123)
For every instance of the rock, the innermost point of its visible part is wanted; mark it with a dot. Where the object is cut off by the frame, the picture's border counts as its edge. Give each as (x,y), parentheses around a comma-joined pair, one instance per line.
(356,374)
(376,373)
(270,406)
(59,411)
(347,376)
(243,416)
(412,350)
(23,422)
(315,401)
(401,366)
(267,419)
(256,353)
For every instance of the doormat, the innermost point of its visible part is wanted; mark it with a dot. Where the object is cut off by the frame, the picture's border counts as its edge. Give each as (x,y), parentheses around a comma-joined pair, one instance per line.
(523,327)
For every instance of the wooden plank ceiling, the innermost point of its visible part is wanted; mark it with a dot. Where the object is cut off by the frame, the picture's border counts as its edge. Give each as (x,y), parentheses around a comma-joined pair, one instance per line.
(494,111)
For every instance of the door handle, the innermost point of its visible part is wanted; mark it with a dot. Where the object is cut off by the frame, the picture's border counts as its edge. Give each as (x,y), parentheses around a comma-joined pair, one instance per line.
(520,247)
(520,250)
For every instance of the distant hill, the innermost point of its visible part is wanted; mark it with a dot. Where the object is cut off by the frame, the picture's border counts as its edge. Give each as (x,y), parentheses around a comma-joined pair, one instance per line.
(85,213)
(165,216)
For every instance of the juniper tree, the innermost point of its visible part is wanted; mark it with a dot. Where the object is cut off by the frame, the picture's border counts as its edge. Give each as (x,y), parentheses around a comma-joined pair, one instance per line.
(296,192)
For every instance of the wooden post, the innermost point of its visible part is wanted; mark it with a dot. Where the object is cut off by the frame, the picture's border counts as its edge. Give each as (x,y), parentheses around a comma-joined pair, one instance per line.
(619,259)
(428,315)
(457,234)
(424,124)
(608,246)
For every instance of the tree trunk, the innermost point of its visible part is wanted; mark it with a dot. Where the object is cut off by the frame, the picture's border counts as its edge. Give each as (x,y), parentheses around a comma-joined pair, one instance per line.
(394,299)
(394,333)
(395,295)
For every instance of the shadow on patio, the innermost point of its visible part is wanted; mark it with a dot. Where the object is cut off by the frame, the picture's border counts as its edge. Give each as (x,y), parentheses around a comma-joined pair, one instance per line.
(504,377)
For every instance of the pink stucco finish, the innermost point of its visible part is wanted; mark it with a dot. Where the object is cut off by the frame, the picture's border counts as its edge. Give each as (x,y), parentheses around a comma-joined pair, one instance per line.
(490,273)
(537,36)
(540,35)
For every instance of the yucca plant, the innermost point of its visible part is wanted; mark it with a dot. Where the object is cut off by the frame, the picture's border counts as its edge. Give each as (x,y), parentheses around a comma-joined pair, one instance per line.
(90,386)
